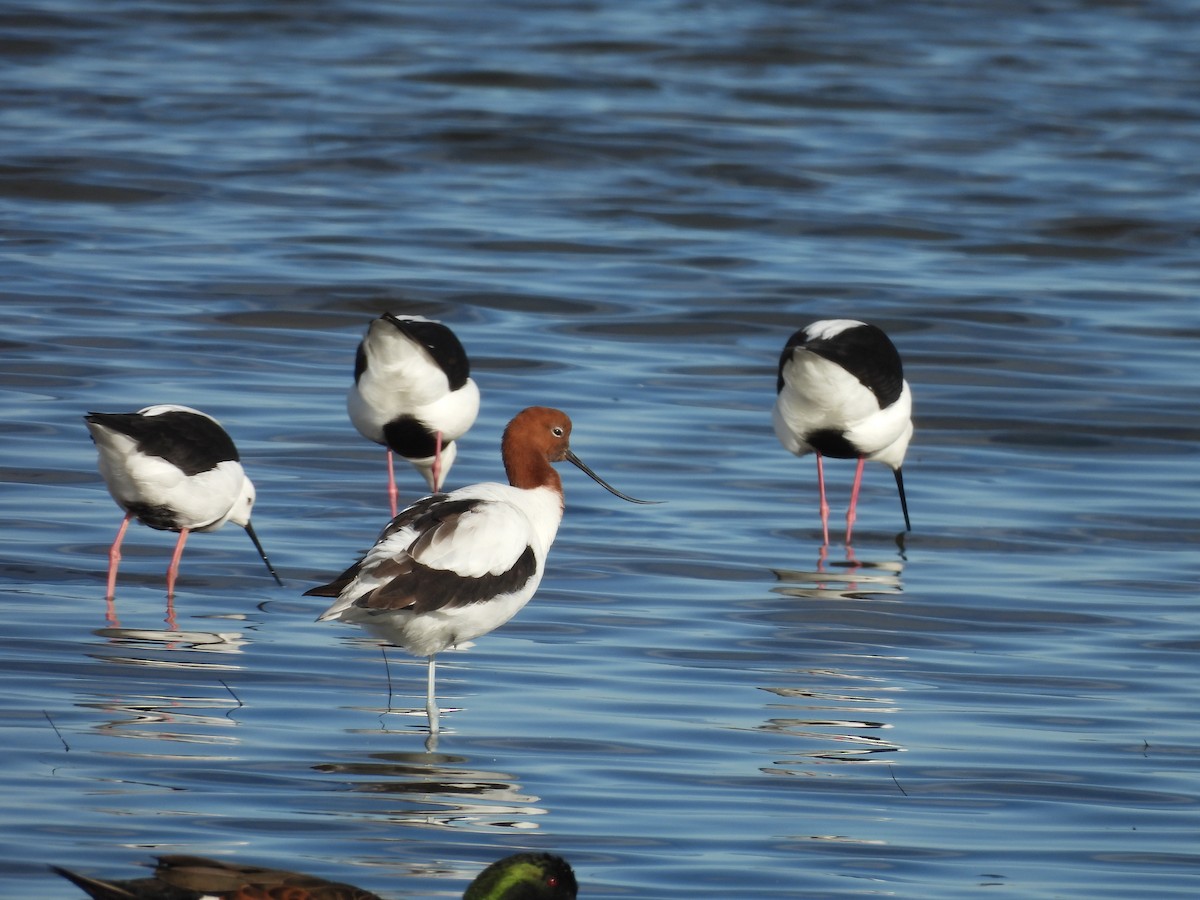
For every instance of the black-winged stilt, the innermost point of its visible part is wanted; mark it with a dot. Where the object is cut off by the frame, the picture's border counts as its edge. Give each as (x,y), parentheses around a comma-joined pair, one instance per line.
(842,394)
(413,393)
(175,469)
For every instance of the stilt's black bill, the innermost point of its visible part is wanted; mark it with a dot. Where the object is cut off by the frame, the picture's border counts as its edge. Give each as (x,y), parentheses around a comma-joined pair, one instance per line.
(903,501)
(571,457)
(258,547)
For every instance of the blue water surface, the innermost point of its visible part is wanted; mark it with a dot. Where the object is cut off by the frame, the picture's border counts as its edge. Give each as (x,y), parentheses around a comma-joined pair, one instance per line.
(623,210)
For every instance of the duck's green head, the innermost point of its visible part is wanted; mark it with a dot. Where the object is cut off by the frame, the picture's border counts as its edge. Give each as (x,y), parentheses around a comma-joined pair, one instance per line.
(525,876)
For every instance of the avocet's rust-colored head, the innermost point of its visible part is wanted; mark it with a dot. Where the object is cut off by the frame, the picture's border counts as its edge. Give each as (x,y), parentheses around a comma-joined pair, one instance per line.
(536,437)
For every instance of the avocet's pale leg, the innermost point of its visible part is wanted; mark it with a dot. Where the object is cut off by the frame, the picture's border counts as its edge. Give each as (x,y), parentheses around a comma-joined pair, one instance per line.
(432,710)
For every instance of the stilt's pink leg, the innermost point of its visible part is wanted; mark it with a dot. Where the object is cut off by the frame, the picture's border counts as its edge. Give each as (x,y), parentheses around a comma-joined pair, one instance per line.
(393,494)
(437,464)
(824,504)
(851,515)
(173,571)
(114,556)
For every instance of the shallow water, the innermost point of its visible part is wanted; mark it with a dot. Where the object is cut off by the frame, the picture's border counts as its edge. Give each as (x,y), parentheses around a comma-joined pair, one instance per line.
(624,213)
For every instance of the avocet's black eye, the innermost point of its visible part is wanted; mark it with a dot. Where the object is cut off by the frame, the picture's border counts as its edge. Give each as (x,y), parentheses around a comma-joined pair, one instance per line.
(557,431)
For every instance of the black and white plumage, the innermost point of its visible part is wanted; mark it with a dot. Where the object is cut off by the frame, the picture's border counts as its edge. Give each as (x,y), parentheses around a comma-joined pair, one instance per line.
(453,567)
(175,469)
(841,393)
(413,393)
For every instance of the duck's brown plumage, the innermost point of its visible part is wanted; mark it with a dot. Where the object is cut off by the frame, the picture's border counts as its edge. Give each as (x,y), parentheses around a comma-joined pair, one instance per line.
(521,876)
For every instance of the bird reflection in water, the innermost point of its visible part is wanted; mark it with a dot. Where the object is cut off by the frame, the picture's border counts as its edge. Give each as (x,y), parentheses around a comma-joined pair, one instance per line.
(195,711)
(438,789)
(841,712)
(849,578)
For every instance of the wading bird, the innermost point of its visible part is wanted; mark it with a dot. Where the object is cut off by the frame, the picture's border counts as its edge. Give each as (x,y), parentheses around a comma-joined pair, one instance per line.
(455,566)
(413,393)
(175,469)
(842,394)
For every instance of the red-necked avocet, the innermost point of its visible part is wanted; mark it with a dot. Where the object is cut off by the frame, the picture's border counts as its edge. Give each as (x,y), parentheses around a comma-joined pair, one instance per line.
(455,566)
